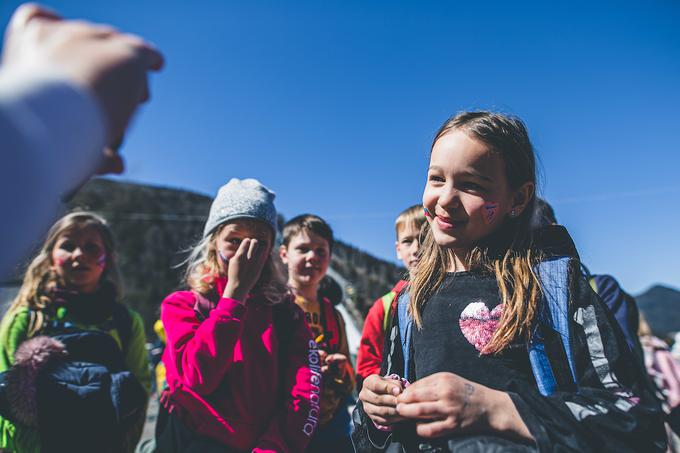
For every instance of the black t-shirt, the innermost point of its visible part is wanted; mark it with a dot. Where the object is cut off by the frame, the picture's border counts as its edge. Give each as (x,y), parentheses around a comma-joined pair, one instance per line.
(458,321)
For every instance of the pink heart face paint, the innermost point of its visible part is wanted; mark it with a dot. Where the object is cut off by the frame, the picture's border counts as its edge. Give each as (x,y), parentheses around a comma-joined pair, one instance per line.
(489,211)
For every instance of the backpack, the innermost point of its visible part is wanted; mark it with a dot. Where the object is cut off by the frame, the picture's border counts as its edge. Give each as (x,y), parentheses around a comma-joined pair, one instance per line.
(550,330)
(70,385)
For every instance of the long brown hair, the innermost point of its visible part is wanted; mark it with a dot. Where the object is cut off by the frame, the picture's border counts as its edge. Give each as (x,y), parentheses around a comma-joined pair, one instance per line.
(40,279)
(508,253)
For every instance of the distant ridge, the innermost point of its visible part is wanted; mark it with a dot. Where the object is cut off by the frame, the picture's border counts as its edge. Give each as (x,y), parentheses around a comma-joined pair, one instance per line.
(661,307)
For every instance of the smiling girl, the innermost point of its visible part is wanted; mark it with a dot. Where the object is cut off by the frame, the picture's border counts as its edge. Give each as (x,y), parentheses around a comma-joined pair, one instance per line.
(73,279)
(476,300)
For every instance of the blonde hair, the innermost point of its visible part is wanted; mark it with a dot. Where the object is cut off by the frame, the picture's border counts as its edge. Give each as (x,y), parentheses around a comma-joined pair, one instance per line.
(203,269)
(40,278)
(413,216)
(508,253)
(644,330)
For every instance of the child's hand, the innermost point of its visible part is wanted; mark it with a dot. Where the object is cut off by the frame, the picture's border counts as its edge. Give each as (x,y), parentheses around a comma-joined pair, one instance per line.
(335,365)
(379,397)
(244,269)
(445,403)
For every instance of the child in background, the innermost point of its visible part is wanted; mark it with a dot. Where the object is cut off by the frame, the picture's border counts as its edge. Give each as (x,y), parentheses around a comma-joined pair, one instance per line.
(306,251)
(477,305)
(238,351)
(72,281)
(408,226)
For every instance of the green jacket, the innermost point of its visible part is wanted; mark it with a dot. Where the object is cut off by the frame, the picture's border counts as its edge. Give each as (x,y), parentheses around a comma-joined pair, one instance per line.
(14,330)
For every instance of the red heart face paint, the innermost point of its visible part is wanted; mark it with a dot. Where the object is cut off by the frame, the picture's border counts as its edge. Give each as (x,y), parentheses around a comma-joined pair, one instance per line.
(489,210)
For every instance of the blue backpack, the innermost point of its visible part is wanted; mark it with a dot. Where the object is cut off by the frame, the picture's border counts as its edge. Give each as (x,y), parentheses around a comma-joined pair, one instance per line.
(74,391)
(553,319)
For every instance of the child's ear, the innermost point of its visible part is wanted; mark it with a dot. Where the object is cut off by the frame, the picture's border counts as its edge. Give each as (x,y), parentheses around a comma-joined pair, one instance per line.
(283,253)
(396,246)
(522,197)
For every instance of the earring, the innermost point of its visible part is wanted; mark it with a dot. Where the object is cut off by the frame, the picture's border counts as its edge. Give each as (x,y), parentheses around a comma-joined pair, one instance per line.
(512,213)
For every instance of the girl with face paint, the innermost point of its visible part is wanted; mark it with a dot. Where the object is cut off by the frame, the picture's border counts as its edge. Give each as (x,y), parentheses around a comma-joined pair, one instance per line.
(475,300)
(72,280)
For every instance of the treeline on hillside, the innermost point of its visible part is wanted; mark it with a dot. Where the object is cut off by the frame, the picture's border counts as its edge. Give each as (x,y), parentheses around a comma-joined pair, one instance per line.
(153,225)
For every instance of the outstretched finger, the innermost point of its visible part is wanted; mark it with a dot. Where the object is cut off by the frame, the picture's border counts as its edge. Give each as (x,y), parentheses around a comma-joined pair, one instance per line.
(253,249)
(380,385)
(424,411)
(436,428)
(417,393)
(28,12)
(242,248)
(152,58)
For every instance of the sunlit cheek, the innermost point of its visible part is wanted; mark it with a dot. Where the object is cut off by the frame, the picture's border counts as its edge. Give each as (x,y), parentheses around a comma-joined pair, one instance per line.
(60,257)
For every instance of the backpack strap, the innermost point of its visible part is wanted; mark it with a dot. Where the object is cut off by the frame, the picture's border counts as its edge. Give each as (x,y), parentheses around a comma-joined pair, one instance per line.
(122,321)
(405,329)
(387,300)
(553,318)
(203,305)
(330,324)
(36,322)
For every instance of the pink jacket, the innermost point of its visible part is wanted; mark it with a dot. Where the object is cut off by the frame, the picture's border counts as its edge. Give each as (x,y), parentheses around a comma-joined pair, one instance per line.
(228,380)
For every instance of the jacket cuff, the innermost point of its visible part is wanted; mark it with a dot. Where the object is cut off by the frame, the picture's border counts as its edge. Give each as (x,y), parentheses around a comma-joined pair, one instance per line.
(232,307)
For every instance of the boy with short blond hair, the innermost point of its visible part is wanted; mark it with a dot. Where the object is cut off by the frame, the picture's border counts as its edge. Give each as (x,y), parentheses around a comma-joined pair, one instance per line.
(306,251)
(408,225)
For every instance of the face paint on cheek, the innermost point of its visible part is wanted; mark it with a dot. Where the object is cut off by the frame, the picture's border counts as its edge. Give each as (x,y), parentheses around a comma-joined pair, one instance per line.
(59,258)
(427,212)
(101,261)
(489,211)
(224,259)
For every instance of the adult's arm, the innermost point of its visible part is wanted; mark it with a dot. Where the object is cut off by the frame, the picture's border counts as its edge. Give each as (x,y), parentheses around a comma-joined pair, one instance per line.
(67,89)
(52,133)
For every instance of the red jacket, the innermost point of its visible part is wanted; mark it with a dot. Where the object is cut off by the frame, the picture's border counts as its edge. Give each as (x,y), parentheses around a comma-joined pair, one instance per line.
(226,381)
(370,352)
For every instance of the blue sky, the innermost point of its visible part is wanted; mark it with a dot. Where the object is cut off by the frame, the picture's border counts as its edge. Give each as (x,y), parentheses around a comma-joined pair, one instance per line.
(333,105)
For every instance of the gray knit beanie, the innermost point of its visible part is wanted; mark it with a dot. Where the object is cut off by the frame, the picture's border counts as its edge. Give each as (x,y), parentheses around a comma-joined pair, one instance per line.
(241,199)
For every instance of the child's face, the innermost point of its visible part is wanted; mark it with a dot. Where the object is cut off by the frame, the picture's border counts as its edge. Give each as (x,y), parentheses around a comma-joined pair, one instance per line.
(229,238)
(79,258)
(466,193)
(307,257)
(408,245)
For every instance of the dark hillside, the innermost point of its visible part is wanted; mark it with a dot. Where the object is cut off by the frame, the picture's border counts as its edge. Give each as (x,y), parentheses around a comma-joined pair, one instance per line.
(661,307)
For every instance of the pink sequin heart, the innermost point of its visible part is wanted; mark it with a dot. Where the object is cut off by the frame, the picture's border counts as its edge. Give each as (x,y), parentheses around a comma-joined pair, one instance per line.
(478,324)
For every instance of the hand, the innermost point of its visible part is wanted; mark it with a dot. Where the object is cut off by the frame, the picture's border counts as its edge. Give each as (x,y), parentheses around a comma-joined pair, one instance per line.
(335,365)
(244,269)
(379,397)
(110,64)
(445,403)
